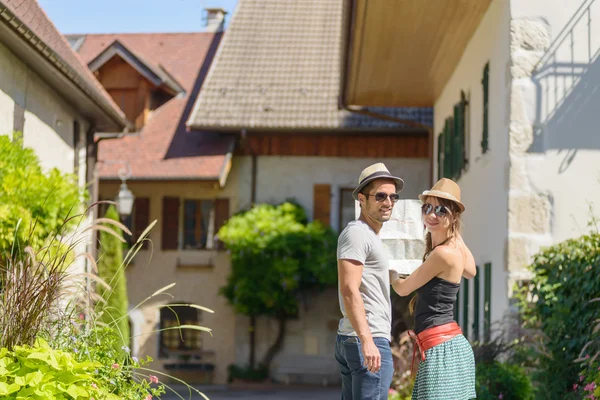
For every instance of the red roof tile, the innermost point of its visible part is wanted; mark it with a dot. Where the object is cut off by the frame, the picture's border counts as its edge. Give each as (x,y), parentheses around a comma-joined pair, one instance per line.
(164,149)
(33,16)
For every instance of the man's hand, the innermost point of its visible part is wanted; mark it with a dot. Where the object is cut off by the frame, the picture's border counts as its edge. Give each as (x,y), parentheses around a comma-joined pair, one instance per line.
(371,355)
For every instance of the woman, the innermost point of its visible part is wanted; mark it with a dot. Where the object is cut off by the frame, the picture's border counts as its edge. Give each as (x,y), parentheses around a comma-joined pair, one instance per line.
(447,368)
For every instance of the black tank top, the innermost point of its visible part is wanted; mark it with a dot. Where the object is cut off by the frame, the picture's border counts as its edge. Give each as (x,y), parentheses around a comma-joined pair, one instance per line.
(435,304)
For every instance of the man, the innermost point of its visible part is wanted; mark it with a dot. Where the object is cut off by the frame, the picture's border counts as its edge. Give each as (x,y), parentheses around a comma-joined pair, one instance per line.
(363,343)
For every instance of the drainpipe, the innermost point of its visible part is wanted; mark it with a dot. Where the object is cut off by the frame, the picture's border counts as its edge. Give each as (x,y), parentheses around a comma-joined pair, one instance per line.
(92,177)
(343,104)
(254,168)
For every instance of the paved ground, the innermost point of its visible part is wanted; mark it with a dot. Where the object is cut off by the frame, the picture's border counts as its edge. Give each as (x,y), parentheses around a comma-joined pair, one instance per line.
(263,394)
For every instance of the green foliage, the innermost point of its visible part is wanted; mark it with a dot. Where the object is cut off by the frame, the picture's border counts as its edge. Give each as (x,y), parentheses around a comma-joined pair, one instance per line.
(41,201)
(556,303)
(115,369)
(276,257)
(42,372)
(258,374)
(503,381)
(111,270)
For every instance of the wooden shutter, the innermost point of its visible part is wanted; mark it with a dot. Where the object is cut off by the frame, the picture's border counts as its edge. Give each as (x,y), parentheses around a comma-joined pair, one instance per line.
(487,300)
(141,218)
(448,138)
(322,203)
(456,144)
(221,217)
(170,223)
(477,311)
(440,155)
(485,133)
(465,310)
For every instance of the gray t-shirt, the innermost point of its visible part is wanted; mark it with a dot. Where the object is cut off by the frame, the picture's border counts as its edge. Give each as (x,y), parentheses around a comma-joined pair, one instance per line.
(359,242)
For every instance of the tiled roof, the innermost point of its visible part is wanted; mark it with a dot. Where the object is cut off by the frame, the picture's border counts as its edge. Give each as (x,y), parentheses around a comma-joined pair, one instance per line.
(279,66)
(163,149)
(37,22)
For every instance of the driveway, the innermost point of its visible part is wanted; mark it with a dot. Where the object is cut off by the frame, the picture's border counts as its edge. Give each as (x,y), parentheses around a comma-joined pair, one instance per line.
(263,394)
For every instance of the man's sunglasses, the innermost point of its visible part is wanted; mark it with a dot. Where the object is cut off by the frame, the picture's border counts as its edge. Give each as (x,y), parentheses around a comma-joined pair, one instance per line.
(440,211)
(380,196)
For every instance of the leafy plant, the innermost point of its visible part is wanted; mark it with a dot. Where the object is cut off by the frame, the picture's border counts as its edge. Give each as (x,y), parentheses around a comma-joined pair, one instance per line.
(111,270)
(502,381)
(33,205)
(565,277)
(277,258)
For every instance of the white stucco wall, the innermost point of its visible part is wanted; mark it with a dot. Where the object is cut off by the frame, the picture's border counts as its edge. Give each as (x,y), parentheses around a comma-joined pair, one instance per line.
(556,158)
(48,125)
(279,178)
(484,185)
(48,122)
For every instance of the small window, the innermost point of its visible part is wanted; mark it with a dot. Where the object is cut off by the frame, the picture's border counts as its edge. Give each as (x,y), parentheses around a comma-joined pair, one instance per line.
(176,341)
(198,224)
(347,207)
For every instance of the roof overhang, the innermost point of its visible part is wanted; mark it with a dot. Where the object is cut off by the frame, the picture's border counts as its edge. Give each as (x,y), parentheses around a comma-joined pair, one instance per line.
(157,75)
(55,72)
(401,53)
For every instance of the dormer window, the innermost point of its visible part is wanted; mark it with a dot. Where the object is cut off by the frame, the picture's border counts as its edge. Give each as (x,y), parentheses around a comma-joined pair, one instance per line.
(136,85)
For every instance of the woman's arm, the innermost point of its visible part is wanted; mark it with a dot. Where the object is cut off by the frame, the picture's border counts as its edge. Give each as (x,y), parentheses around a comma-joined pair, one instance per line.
(435,263)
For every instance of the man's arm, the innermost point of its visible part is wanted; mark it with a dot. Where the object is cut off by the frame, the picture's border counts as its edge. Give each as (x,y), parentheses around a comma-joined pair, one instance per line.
(350,274)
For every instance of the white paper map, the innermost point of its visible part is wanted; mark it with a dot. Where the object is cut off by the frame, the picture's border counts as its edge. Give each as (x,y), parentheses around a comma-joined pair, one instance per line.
(403,236)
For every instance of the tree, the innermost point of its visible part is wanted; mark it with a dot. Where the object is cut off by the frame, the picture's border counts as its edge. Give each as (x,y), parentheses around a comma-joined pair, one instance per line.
(34,205)
(112,270)
(277,257)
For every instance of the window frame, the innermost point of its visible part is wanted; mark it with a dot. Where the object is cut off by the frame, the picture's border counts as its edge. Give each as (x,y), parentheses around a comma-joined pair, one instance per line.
(165,352)
(341,226)
(210,235)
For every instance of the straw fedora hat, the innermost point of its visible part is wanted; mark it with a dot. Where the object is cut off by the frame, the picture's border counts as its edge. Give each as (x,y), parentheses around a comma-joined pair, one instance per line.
(372,172)
(445,189)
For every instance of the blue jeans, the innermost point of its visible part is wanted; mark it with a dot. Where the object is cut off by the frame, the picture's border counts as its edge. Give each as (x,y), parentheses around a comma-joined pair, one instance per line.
(358,383)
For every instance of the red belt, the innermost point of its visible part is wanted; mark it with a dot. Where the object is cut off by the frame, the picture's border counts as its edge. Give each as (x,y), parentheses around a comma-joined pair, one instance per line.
(431,337)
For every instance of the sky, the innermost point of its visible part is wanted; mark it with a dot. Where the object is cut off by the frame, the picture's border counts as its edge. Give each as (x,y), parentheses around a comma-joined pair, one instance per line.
(127,16)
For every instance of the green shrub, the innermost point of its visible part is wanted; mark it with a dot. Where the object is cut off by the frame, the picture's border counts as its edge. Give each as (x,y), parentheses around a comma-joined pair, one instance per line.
(556,303)
(502,381)
(277,258)
(111,269)
(258,374)
(34,205)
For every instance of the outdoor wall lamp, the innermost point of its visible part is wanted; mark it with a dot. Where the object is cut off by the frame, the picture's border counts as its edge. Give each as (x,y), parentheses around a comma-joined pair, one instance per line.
(125,198)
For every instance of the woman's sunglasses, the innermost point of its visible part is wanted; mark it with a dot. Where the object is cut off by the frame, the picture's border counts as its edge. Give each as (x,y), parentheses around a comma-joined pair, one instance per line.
(380,196)
(440,211)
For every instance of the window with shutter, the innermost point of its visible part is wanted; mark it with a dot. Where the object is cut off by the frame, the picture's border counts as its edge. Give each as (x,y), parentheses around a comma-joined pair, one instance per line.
(221,217)
(453,140)
(141,219)
(198,224)
(476,311)
(347,207)
(322,203)
(485,85)
(448,148)
(170,223)
(487,299)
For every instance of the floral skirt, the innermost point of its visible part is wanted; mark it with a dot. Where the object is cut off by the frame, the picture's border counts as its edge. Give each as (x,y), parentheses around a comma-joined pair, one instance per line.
(448,372)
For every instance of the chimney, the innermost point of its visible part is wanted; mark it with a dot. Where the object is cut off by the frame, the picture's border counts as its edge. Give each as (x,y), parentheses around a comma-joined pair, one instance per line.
(214,19)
